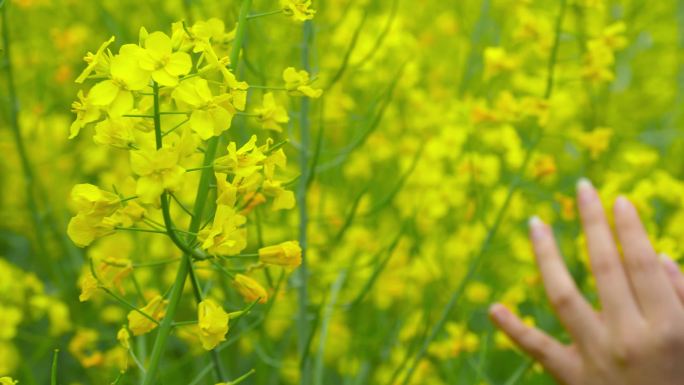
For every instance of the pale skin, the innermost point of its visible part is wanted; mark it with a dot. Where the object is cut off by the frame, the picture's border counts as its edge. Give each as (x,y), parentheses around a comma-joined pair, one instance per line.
(637,337)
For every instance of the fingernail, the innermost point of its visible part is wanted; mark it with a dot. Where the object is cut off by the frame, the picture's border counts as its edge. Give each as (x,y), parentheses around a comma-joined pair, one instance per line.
(622,203)
(497,311)
(585,190)
(536,227)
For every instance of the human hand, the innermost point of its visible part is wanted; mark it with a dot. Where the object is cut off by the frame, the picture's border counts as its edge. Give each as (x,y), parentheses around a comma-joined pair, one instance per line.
(637,338)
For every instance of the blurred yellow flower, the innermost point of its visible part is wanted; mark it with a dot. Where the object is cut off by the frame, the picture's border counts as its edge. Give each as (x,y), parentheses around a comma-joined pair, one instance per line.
(250,289)
(286,254)
(298,9)
(139,324)
(270,114)
(298,83)
(213,323)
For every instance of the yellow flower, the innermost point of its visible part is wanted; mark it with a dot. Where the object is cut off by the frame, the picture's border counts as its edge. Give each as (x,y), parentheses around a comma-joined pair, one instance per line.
(139,324)
(89,199)
(126,75)
(89,286)
(158,171)
(211,115)
(92,205)
(226,193)
(7,381)
(298,9)
(10,318)
(242,162)
(250,289)
(497,61)
(86,113)
(298,83)
(270,114)
(226,236)
(282,199)
(286,254)
(116,132)
(165,65)
(123,336)
(596,141)
(97,62)
(213,323)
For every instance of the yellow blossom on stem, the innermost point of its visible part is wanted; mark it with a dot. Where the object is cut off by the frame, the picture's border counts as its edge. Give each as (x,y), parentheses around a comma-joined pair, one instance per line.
(115,94)
(298,9)
(298,83)
(85,112)
(213,323)
(211,115)
(158,171)
(164,64)
(97,62)
(89,286)
(242,162)
(226,236)
(250,289)
(123,336)
(270,114)
(286,254)
(139,324)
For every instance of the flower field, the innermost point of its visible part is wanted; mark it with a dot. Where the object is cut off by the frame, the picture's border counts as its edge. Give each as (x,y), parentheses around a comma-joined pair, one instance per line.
(327,192)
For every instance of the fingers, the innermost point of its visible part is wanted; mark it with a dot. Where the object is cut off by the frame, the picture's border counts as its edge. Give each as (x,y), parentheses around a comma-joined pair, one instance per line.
(675,276)
(555,357)
(611,281)
(576,314)
(652,288)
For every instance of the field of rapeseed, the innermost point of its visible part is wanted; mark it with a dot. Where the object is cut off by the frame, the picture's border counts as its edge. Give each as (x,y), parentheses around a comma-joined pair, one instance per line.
(315,192)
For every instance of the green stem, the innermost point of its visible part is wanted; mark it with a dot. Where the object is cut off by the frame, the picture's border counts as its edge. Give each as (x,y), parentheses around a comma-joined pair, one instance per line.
(302,272)
(200,202)
(256,15)
(53,371)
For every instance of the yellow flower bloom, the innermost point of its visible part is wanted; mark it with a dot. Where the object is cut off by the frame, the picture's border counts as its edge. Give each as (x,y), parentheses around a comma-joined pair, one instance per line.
(158,171)
(250,289)
(7,381)
(242,162)
(164,64)
(271,115)
(226,236)
(126,75)
(596,141)
(10,318)
(85,112)
(139,324)
(282,199)
(89,286)
(226,192)
(497,61)
(298,83)
(123,336)
(298,9)
(211,114)
(97,62)
(286,254)
(92,205)
(213,323)
(90,200)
